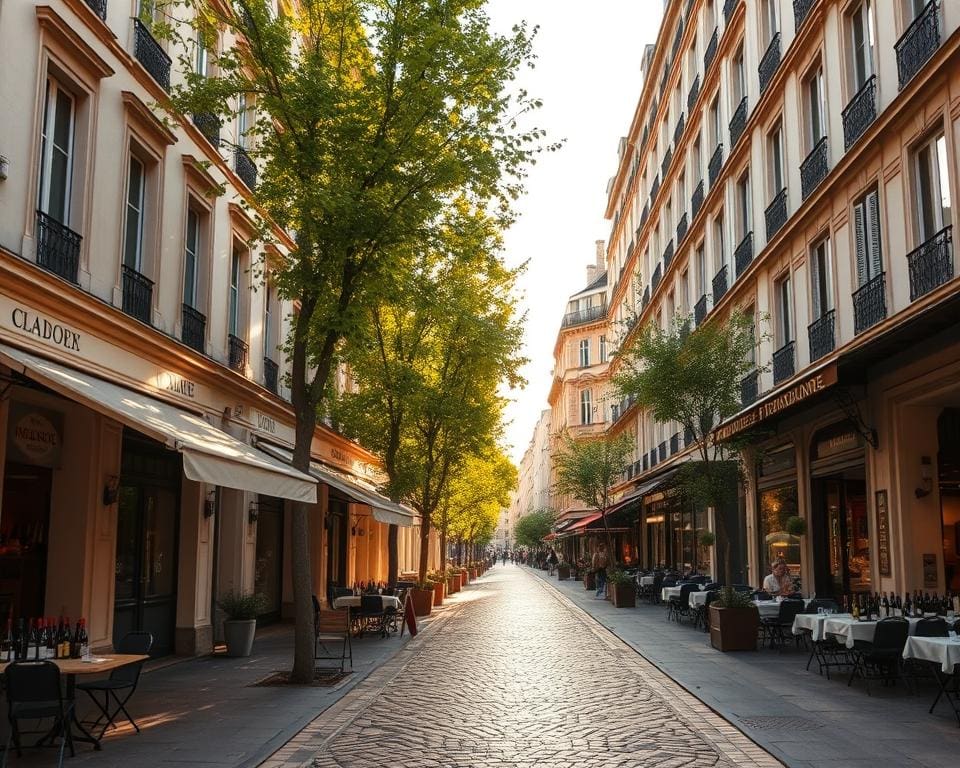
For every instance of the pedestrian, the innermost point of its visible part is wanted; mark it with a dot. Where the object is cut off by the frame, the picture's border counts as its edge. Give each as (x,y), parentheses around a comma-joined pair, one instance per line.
(552,561)
(601,562)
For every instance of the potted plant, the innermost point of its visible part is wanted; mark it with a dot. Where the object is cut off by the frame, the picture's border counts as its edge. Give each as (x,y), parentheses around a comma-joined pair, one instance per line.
(796,525)
(453,581)
(589,580)
(563,571)
(472,572)
(422,596)
(734,621)
(708,539)
(621,589)
(240,626)
(438,584)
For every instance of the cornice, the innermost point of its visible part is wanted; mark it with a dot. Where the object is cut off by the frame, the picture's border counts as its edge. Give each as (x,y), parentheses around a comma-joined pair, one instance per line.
(57,27)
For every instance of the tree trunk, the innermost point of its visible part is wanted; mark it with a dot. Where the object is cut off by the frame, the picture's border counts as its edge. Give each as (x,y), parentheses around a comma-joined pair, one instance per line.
(611,553)
(424,548)
(393,554)
(303,648)
(443,552)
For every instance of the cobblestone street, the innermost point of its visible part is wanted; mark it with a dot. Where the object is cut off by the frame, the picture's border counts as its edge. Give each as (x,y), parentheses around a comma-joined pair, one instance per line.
(517,676)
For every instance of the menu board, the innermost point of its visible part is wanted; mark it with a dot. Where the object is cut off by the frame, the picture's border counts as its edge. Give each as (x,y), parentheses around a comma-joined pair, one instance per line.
(883,533)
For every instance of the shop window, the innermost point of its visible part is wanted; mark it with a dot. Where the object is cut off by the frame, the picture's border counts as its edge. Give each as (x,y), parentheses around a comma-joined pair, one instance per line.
(932,187)
(777,505)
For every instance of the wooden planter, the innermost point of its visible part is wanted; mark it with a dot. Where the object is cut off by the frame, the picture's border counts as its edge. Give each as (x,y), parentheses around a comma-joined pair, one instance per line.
(438,593)
(464,577)
(623,595)
(472,574)
(734,629)
(452,585)
(589,581)
(422,601)
(563,572)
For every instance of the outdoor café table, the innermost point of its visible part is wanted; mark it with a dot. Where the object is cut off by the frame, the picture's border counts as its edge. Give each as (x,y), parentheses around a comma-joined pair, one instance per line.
(813,623)
(850,630)
(95,665)
(770,609)
(944,655)
(667,592)
(353,601)
(646,581)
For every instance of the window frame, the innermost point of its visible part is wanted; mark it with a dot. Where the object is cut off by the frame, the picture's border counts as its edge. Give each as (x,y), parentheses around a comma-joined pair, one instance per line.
(814,133)
(196,253)
(821,280)
(141,212)
(939,216)
(583,353)
(48,147)
(867,26)
(776,177)
(783,296)
(586,407)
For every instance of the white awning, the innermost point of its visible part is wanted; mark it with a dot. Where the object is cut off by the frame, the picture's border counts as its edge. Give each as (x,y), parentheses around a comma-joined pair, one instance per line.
(385,510)
(210,455)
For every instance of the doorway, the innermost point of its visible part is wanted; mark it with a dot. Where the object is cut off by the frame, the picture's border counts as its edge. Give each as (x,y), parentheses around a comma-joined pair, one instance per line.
(337,523)
(268,577)
(23,539)
(841,534)
(948,471)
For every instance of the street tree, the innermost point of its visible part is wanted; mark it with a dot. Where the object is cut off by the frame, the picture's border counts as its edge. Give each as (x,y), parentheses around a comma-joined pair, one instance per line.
(531,529)
(471,506)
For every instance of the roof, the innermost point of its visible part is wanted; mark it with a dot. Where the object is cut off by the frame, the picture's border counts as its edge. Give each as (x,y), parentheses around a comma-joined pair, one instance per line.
(597,284)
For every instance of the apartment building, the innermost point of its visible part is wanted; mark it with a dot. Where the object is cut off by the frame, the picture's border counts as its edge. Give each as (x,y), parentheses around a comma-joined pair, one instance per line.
(143,391)
(533,477)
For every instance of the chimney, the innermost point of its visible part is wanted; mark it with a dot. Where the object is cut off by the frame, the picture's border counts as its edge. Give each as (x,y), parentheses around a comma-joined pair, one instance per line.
(594,270)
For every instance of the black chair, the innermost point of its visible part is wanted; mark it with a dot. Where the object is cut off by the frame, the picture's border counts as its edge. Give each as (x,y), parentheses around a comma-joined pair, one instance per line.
(702,612)
(679,606)
(698,579)
(759,594)
(932,626)
(120,686)
(882,658)
(744,588)
(33,693)
(371,614)
(775,628)
(711,586)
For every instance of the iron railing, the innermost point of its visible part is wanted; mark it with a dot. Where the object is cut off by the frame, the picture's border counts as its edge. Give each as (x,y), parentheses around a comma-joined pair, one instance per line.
(784,362)
(587,315)
(668,255)
(99,7)
(271,374)
(245,167)
(696,202)
(237,350)
(738,122)
(749,388)
(860,113)
(700,310)
(931,265)
(775,216)
(662,451)
(657,276)
(58,247)
(743,255)
(769,63)
(814,167)
(728,8)
(800,10)
(149,53)
(209,125)
(674,443)
(682,228)
(193,331)
(713,167)
(711,53)
(693,94)
(919,42)
(720,284)
(870,303)
(137,294)
(678,130)
(821,335)
(667,159)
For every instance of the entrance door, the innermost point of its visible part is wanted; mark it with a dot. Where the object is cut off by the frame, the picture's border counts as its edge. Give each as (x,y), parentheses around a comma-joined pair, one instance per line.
(23,539)
(337,512)
(841,535)
(268,578)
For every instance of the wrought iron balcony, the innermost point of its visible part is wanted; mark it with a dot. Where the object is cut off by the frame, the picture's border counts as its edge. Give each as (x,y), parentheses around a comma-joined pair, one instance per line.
(654,458)
(662,450)
(711,53)
(644,214)
(728,8)
(667,159)
(800,10)
(682,228)
(245,168)
(149,53)
(271,374)
(821,335)
(687,437)
(720,284)
(814,167)
(931,265)
(193,331)
(919,42)
(137,294)
(674,443)
(694,93)
(678,131)
(769,63)
(869,303)
(860,113)
(209,125)
(668,255)
(587,315)
(743,255)
(654,188)
(738,122)
(700,310)
(99,7)
(58,247)
(784,362)
(657,276)
(237,353)
(776,214)
(645,299)
(713,167)
(696,202)
(749,388)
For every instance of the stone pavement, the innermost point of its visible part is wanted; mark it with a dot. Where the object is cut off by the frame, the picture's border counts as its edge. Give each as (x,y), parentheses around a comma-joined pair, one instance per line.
(517,676)
(800,717)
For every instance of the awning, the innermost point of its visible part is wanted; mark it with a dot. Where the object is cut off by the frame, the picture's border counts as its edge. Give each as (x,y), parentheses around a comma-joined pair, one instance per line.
(384,510)
(210,455)
(583,522)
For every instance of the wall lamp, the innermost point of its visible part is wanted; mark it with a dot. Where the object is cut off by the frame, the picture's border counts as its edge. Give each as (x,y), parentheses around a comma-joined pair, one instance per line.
(210,505)
(926,477)
(111,491)
(253,514)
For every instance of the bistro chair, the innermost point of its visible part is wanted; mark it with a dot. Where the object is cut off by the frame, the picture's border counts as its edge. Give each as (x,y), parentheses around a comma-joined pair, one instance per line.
(701,614)
(881,659)
(33,693)
(826,603)
(333,627)
(774,628)
(393,617)
(120,686)
(679,607)
(372,614)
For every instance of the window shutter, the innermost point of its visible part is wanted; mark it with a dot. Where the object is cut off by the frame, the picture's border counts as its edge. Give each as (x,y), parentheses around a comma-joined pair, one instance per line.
(815,282)
(860,233)
(876,257)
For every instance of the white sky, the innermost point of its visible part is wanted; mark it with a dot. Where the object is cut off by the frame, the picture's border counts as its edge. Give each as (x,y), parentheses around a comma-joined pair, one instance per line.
(588,76)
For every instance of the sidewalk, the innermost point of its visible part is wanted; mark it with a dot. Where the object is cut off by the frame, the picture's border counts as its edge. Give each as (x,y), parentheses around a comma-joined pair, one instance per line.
(801,718)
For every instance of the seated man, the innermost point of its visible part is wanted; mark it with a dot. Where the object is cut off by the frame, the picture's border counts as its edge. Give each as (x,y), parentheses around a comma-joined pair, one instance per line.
(779,581)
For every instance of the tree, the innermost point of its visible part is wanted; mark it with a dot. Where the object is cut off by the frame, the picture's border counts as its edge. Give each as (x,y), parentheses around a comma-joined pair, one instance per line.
(531,528)
(475,495)
(371,115)
(588,469)
(694,377)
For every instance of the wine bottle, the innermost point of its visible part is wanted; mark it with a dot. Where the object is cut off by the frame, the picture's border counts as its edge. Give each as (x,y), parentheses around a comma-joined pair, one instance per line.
(83,640)
(36,639)
(885,606)
(855,609)
(63,641)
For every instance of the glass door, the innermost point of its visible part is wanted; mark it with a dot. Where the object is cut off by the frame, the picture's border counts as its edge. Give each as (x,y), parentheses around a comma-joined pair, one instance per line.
(268,578)
(842,538)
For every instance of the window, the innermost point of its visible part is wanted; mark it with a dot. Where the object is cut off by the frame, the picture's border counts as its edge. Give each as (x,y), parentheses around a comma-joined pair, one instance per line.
(739,80)
(671,308)
(821,279)
(912,9)
(866,225)
(269,340)
(684,293)
(751,356)
(133,232)
(201,63)
(701,267)
(696,159)
(191,259)
(586,406)
(784,298)
(931,181)
(246,117)
(233,321)
(715,133)
(768,19)
(862,41)
(56,153)
(719,249)
(775,166)
(743,205)
(603,349)
(816,108)
(584,353)
(682,190)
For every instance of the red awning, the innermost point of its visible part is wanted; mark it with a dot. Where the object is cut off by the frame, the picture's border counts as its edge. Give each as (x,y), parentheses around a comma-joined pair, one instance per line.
(583,522)
(550,536)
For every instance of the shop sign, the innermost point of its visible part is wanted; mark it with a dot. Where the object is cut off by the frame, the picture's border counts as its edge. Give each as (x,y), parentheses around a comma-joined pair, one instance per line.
(813,385)
(840,443)
(34,435)
(178,385)
(883,534)
(47,330)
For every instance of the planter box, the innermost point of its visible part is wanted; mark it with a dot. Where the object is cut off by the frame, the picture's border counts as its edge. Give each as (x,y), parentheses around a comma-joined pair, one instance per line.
(452,585)
(438,593)
(623,595)
(472,573)
(589,581)
(422,601)
(239,634)
(563,572)
(734,629)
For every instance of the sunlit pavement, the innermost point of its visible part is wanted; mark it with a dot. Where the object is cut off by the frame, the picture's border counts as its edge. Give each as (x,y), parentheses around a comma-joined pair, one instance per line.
(516,676)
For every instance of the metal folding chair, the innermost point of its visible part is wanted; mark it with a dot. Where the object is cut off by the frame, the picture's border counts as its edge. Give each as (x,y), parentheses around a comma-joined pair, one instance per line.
(119,688)
(33,692)
(332,627)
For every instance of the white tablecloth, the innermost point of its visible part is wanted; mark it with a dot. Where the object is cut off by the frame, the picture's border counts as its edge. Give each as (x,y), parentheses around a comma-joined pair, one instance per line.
(667,592)
(646,581)
(813,622)
(849,629)
(944,651)
(353,601)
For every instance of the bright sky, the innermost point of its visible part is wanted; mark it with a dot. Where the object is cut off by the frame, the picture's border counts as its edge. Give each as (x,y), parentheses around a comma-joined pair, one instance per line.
(588,76)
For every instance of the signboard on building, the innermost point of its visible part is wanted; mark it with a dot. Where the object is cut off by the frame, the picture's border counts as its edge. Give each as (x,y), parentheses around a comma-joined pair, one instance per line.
(34,435)
(883,534)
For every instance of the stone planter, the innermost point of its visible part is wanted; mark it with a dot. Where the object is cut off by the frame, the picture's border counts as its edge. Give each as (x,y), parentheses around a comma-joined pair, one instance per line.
(563,572)
(452,585)
(734,629)
(422,601)
(239,634)
(589,581)
(438,593)
(623,595)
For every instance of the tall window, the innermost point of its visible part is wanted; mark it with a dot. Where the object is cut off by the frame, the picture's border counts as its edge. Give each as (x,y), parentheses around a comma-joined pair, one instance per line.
(700,263)
(768,19)
(932,184)
(603,349)
(743,205)
(714,116)
(862,41)
(233,321)
(586,406)
(719,247)
(201,62)
(775,165)
(133,235)
(751,356)
(269,344)
(821,278)
(684,293)
(245,120)
(866,225)
(816,108)
(696,159)
(912,9)
(56,153)
(682,190)
(191,258)
(584,353)
(784,299)
(739,80)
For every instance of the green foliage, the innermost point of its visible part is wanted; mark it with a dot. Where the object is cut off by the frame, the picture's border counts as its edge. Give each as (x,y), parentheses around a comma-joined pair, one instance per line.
(588,469)
(730,598)
(530,529)
(707,539)
(618,576)
(796,525)
(241,606)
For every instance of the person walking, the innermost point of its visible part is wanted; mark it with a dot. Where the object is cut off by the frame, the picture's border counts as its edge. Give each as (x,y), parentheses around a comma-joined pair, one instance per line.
(552,561)
(601,562)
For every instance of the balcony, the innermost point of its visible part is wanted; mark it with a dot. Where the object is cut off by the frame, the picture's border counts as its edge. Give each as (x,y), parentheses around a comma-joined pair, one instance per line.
(700,310)
(738,122)
(931,265)
(869,304)
(693,94)
(657,276)
(678,131)
(814,167)
(245,168)
(711,53)
(665,165)
(743,255)
(769,63)
(271,374)
(137,294)
(918,43)
(716,162)
(644,215)
(654,459)
(800,10)
(749,388)
(728,8)
(645,299)
(58,247)
(149,53)
(720,284)
(99,7)
(237,353)
(688,438)
(860,113)
(654,188)
(662,451)
(668,255)
(682,226)
(775,216)
(209,125)
(821,335)
(674,443)
(193,331)
(784,362)
(588,315)
(696,202)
